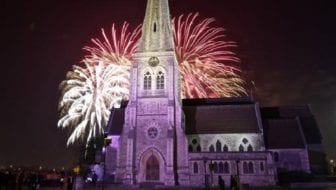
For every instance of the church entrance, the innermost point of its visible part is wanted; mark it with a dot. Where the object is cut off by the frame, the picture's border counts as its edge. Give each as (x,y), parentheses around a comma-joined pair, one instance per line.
(152,169)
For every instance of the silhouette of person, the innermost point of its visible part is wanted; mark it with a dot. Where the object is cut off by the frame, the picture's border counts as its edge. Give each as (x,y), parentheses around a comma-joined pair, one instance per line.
(94,178)
(236,182)
(2,176)
(20,180)
(70,182)
(231,182)
(221,183)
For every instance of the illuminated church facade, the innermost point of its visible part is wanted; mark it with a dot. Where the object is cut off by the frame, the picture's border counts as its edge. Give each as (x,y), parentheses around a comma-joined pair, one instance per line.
(158,137)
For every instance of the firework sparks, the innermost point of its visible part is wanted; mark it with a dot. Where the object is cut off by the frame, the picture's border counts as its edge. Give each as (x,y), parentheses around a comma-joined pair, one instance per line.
(118,49)
(206,64)
(88,93)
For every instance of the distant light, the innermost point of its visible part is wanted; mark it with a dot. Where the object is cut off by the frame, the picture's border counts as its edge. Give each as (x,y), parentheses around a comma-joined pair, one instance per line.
(104,149)
(40,168)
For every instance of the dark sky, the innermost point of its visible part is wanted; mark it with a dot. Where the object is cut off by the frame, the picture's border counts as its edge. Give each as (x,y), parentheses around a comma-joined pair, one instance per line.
(287,46)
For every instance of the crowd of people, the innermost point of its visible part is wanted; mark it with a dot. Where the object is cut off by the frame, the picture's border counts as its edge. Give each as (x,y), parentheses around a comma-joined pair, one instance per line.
(234,183)
(11,179)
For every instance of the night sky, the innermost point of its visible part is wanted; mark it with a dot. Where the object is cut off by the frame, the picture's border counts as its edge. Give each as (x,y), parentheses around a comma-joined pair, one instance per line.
(287,47)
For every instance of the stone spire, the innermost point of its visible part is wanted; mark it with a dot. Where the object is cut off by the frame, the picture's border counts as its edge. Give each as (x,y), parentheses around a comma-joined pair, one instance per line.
(157,34)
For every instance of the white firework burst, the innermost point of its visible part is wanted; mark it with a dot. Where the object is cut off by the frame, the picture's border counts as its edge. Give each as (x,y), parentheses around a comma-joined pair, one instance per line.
(88,94)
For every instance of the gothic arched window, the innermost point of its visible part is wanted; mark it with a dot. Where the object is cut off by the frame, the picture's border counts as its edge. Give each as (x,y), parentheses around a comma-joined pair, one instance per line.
(250,167)
(147,81)
(220,167)
(212,148)
(241,148)
(262,166)
(195,168)
(198,148)
(160,81)
(225,148)
(276,157)
(218,146)
(245,168)
(190,148)
(226,168)
(249,148)
(215,167)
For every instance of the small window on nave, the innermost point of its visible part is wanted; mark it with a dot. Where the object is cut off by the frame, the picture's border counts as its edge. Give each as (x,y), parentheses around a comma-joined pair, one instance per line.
(212,148)
(245,168)
(250,168)
(214,167)
(262,168)
(195,167)
(226,167)
(190,148)
(276,156)
(225,148)
(220,167)
(198,148)
(147,81)
(218,146)
(249,148)
(241,148)
(154,27)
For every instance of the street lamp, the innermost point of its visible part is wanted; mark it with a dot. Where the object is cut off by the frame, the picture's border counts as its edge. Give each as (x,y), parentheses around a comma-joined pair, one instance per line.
(332,167)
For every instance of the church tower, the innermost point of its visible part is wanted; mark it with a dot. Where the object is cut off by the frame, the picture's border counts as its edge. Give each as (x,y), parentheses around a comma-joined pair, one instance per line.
(153,143)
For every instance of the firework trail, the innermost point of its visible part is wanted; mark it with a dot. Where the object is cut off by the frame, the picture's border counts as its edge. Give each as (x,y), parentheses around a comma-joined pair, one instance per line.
(207,66)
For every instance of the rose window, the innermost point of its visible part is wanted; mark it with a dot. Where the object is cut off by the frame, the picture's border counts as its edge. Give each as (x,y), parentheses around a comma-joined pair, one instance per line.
(152,132)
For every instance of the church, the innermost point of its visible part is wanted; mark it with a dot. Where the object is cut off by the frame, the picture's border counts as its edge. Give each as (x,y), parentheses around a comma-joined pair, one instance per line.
(159,138)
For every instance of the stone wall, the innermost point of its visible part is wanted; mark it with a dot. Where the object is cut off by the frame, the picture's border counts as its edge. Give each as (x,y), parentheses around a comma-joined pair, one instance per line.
(253,168)
(291,159)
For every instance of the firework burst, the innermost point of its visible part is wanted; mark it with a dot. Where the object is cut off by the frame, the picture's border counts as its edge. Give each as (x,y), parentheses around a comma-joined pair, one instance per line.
(207,67)
(206,63)
(118,49)
(88,93)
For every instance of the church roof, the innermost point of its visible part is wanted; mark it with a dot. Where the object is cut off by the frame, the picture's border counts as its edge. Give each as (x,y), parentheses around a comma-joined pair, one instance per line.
(303,113)
(117,119)
(283,134)
(217,101)
(208,116)
(311,130)
(286,111)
